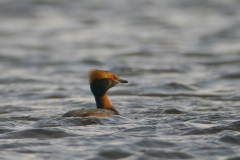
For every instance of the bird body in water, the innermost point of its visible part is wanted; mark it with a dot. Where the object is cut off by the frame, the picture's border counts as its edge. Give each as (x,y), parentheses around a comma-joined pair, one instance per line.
(100,82)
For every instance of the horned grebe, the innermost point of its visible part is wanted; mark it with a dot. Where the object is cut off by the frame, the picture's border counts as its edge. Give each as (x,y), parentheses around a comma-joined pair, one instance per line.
(100,82)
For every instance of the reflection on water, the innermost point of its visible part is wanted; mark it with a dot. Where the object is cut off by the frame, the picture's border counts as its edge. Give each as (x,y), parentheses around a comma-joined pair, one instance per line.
(181,57)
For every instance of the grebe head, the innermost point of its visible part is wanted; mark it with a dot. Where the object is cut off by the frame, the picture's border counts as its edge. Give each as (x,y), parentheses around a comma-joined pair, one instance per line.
(101,81)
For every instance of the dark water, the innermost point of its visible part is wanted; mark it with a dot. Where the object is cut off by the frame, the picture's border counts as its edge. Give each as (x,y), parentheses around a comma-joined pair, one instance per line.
(182,58)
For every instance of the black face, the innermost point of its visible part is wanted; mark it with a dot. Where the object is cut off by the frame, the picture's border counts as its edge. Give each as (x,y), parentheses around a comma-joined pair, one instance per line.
(101,86)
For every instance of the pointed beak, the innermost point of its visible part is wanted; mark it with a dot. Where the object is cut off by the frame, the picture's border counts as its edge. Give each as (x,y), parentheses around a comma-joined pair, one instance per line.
(122,81)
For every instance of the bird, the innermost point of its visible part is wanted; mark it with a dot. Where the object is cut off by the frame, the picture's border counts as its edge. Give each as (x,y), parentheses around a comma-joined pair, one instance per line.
(100,82)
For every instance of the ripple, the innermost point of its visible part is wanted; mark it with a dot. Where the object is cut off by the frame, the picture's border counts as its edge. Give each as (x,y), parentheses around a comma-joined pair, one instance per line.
(172,111)
(178,86)
(36,133)
(230,139)
(5,58)
(114,153)
(229,33)
(10,108)
(231,76)
(26,118)
(55,96)
(5,130)
(200,55)
(70,121)
(36,95)
(234,126)
(18,80)
(210,96)
(205,131)
(140,71)
(16,145)
(91,61)
(234,158)
(136,54)
(33,151)
(139,129)
(121,92)
(201,121)
(79,121)
(219,63)
(153,143)
(170,155)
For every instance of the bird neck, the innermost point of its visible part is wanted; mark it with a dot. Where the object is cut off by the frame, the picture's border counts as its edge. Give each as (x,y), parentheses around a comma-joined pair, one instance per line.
(104,103)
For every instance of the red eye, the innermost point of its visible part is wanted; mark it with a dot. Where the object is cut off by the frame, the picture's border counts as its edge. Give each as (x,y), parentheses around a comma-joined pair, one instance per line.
(111,77)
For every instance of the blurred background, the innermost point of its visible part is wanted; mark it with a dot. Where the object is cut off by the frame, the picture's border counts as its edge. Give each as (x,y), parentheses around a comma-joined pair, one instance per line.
(182,59)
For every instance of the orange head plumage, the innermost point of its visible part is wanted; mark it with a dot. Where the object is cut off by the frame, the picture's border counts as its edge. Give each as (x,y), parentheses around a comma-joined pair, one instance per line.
(96,74)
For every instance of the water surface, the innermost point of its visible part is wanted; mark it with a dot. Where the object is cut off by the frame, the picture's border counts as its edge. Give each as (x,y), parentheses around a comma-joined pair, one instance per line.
(181,57)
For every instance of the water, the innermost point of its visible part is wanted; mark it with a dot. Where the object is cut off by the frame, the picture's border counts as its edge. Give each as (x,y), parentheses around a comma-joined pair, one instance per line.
(181,57)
